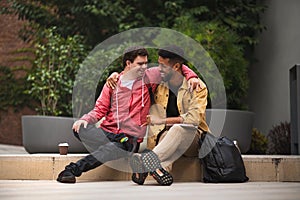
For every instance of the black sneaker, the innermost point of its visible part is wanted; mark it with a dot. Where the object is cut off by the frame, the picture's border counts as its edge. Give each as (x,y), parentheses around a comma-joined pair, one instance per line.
(152,164)
(66,176)
(139,174)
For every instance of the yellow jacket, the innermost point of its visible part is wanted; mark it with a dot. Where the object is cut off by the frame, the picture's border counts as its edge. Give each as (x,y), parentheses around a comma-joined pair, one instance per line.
(191,107)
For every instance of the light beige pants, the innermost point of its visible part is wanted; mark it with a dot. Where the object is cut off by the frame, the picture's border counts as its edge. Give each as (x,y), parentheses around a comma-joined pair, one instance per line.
(177,141)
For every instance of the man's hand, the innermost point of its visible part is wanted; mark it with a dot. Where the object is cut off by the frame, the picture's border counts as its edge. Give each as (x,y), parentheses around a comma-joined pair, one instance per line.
(111,81)
(194,83)
(152,119)
(78,123)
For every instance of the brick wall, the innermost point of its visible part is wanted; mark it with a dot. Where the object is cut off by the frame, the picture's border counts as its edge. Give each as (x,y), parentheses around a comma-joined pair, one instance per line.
(10,121)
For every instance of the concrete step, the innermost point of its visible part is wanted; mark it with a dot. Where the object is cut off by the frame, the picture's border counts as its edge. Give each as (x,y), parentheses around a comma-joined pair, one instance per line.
(47,166)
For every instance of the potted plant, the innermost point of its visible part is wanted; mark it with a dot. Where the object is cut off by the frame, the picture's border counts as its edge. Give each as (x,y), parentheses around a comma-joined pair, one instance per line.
(51,80)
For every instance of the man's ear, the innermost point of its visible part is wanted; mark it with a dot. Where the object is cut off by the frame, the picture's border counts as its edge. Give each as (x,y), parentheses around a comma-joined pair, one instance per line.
(128,62)
(177,67)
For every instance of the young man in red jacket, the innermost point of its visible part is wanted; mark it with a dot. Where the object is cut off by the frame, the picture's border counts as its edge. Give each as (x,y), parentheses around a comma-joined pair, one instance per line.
(124,108)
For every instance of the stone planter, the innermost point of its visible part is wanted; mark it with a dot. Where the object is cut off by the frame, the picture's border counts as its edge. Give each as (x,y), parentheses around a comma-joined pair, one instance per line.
(42,134)
(235,124)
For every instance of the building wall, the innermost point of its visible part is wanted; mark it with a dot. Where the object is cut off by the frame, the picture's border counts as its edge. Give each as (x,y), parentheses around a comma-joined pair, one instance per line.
(277,52)
(10,120)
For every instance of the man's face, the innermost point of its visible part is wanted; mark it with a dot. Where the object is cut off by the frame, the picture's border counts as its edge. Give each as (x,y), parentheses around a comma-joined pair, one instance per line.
(165,68)
(139,65)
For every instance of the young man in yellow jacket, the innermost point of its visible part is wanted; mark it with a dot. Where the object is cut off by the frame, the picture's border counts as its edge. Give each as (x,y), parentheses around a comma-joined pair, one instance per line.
(177,117)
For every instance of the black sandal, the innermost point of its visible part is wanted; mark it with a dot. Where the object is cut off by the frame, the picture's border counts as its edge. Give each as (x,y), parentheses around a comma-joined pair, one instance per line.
(152,164)
(139,173)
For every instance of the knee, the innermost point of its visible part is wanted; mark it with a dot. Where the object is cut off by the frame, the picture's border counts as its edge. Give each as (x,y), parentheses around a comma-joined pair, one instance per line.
(176,128)
(76,135)
(84,135)
(175,132)
(182,132)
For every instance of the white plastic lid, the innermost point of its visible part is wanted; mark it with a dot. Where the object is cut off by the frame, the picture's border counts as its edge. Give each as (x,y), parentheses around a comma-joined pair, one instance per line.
(63,144)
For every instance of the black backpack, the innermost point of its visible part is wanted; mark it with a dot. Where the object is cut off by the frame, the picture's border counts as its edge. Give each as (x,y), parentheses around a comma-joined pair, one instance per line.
(221,159)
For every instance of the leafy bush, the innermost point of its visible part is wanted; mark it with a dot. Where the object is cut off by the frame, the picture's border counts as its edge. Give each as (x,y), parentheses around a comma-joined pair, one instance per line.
(280,139)
(98,19)
(51,79)
(223,46)
(233,27)
(11,90)
(259,143)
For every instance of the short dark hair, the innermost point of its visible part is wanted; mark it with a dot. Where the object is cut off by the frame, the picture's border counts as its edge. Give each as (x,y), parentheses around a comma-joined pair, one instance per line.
(132,52)
(173,52)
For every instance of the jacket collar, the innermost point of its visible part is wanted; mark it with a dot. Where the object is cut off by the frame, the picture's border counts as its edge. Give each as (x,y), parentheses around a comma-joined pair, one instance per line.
(184,85)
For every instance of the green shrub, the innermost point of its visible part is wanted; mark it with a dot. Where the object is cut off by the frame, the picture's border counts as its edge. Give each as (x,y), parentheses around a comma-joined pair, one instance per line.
(226,29)
(51,78)
(280,139)
(259,143)
(11,90)
(224,47)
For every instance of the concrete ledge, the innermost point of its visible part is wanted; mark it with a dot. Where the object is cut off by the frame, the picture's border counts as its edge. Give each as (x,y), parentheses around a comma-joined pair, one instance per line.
(48,166)
(272,167)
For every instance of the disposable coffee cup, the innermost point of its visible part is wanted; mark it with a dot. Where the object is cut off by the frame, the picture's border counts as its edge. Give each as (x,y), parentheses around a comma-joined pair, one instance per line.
(63,148)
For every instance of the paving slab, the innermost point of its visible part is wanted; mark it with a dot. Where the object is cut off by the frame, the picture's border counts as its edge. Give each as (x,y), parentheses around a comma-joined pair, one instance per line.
(85,190)
(12,149)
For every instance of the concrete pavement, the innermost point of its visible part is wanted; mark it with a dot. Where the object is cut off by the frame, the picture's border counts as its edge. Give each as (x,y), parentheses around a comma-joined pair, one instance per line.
(83,190)
(12,149)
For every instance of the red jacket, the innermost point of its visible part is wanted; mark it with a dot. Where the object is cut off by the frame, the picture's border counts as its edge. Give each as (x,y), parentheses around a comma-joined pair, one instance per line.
(125,109)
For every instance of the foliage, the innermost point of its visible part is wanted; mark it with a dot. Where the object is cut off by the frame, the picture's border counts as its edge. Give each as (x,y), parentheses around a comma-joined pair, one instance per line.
(98,19)
(95,20)
(241,16)
(238,20)
(52,76)
(223,45)
(11,89)
(259,143)
(280,139)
